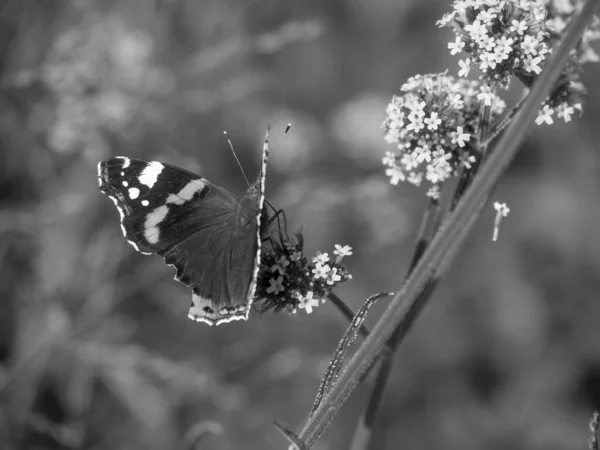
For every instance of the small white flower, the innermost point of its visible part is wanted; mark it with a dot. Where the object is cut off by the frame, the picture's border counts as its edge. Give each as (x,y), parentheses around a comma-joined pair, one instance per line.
(518,27)
(456,46)
(321,258)
(476,30)
(501,211)
(340,251)
(409,161)
(321,270)
(423,153)
(459,137)
(465,65)
(456,101)
(433,121)
(564,111)
(501,208)
(529,45)
(545,115)
(333,277)
(415,178)
(486,95)
(280,265)
(276,285)
(446,19)
(295,256)
(434,192)
(531,64)
(416,122)
(395,174)
(389,159)
(308,302)
(439,170)
(467,160)
(487,60)
(503,48)
(488,43)
(487,16)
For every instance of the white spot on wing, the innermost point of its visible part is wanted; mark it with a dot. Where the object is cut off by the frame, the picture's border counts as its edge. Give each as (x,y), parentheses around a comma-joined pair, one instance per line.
(134,193)
(187,192)
(125,183)
(100,174)
(114,200)
(150,173)
(151,231)
(126,161)
(204,310)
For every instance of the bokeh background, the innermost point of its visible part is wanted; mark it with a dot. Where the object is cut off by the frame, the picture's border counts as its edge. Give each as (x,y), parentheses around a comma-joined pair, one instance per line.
(96,351)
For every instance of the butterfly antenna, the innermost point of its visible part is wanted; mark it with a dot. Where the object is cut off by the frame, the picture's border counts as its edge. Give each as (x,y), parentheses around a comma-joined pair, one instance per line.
(278,142)
(236,158)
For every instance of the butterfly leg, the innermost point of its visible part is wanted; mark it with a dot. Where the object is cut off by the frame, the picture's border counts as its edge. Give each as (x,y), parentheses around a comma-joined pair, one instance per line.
(278,213)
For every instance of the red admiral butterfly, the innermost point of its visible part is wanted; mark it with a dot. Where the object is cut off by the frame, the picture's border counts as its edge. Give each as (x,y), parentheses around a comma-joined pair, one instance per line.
(211,238)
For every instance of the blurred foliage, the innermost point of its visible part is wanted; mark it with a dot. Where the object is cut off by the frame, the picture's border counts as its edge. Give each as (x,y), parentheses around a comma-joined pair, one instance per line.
(95,348)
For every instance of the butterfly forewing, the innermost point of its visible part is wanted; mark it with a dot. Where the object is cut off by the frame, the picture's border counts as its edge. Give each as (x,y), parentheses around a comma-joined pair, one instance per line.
(155,200)
(211,238)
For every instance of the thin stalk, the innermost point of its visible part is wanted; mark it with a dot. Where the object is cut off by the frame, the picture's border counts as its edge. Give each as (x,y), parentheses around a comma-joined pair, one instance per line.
(502,123)
(468,174)
(346,311)
(448,237)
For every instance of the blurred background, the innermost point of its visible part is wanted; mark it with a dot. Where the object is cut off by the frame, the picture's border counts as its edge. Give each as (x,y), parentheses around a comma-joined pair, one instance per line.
(96,350)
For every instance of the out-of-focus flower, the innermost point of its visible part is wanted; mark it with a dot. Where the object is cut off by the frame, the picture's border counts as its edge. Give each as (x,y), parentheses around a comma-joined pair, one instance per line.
(433,125)
(103,79)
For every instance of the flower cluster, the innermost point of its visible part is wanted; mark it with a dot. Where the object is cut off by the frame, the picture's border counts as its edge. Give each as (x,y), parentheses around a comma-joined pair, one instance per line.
(287,280)
(502,37)
(433,125)
(514,37)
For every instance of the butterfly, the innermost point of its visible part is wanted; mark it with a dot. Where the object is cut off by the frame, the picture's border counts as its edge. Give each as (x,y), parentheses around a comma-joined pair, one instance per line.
(211,238)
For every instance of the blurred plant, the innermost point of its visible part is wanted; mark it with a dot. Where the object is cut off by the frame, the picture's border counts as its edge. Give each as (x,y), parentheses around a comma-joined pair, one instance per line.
(594,424)
(103,81)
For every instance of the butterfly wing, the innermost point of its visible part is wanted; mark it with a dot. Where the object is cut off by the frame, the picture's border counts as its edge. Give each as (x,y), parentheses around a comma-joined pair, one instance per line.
(201,229)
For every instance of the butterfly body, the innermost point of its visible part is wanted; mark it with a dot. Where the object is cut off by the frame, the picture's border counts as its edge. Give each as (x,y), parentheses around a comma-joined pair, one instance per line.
(210,237)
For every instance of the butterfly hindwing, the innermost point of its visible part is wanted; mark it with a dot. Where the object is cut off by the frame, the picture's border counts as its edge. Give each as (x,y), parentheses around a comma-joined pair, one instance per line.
(210,237)
(241,256)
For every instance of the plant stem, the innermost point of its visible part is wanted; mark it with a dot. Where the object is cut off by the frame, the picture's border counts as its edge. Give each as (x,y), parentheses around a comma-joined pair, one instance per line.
(346,311)
(361,439)
(376,399)
(446,240)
